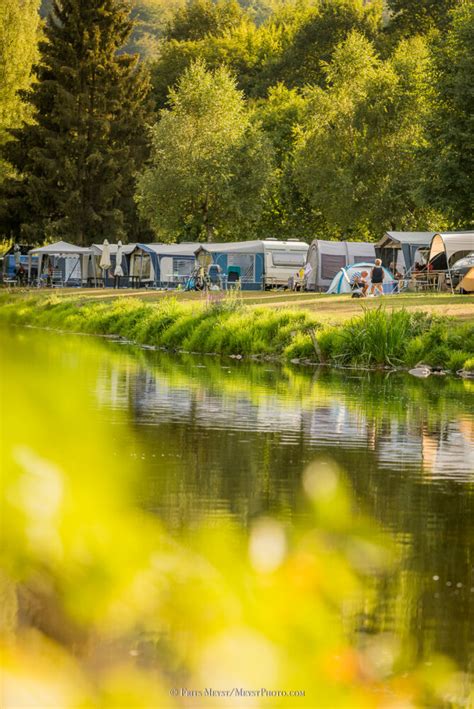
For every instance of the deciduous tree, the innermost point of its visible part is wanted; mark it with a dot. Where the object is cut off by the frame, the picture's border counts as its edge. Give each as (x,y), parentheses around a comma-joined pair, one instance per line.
(449,158)
(411,17)
(357,156)
(19,34)
(210,166)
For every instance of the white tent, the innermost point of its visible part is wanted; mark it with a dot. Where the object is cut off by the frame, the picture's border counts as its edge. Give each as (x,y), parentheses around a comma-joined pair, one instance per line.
(341,282)
(325,258)
(74,259)
(448,247)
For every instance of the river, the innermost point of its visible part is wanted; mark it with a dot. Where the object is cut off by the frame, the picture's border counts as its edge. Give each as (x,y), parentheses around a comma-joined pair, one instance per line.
(220,438)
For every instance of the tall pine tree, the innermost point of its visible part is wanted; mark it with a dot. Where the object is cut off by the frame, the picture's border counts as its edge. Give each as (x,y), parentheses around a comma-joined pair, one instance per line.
(78,160)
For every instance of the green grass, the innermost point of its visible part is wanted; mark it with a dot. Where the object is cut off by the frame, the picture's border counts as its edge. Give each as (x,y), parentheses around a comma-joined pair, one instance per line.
(378,337)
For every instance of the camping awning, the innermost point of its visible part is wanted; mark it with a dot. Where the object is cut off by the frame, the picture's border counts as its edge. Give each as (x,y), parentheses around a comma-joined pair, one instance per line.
(61,249)
(408,241)
(453,245)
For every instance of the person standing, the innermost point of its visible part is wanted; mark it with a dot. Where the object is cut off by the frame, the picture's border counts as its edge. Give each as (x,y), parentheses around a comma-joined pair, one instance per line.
(377,277)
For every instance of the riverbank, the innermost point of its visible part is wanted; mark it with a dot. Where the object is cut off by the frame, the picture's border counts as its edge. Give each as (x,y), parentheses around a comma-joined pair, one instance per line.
(329,310)
(376,337)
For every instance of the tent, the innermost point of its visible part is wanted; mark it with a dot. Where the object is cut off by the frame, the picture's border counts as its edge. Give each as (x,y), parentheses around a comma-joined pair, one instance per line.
(406,242)
(263,262)
(466,285)
(341,282)
(94,269)
(448,247)
(72,260)
(325,258)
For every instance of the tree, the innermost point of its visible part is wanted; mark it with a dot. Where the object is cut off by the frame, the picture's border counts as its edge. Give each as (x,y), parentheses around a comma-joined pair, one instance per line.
(357,156)
(286,211)
(200,18)
(210,166)
(412,17)
(89,104)
(326,25)
(19,30)
(449,157)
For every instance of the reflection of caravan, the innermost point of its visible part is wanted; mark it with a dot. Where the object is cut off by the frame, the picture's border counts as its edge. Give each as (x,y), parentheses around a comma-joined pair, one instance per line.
(325,258)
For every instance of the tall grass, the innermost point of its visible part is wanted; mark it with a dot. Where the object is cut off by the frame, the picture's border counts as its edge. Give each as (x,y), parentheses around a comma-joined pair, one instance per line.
(377,338)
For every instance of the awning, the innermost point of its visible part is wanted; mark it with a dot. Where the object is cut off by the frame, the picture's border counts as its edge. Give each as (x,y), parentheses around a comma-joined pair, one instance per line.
(454,245)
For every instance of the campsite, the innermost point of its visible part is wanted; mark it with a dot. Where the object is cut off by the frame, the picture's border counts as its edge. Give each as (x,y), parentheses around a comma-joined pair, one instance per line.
(237,352)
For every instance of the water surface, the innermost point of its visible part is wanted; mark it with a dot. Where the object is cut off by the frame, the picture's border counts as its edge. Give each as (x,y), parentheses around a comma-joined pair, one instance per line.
(213,437)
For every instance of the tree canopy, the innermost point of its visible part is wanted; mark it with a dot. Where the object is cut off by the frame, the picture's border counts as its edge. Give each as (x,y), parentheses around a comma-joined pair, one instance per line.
(210,166)
(19,33)
(356,157)
(359,110)
(449,155)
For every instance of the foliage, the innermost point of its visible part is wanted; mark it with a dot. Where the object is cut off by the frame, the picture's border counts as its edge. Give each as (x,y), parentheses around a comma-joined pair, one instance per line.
(200,18)
(414,17)
(397,338)
(19,31)
(469,364)
(449,154)
(356,156)
(89,103)
(328,24)
(367,104)
(210,165)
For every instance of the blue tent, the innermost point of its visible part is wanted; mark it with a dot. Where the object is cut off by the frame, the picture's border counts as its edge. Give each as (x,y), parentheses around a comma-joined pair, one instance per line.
(341,283)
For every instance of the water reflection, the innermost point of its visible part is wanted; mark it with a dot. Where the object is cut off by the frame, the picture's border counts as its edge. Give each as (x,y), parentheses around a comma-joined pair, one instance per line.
(233,439)
(223,438)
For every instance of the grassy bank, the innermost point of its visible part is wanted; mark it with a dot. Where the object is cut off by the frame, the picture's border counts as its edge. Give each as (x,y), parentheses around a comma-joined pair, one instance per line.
(378,337)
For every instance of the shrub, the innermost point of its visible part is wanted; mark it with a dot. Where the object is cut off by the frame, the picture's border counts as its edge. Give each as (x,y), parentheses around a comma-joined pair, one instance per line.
(469,365)
(301,346)
(457,360)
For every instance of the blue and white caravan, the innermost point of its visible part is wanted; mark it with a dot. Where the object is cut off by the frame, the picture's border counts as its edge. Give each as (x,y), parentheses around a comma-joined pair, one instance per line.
(325,258)
(342,281)
(262,264)
(162,265)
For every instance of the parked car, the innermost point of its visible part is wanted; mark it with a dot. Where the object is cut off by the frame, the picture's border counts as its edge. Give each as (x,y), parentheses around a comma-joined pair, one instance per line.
(461,267)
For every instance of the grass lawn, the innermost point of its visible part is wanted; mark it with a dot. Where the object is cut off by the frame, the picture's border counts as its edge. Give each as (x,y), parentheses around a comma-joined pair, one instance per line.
(328,309)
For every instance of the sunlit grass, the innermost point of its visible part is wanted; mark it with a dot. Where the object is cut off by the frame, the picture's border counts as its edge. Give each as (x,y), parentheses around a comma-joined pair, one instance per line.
(377,337)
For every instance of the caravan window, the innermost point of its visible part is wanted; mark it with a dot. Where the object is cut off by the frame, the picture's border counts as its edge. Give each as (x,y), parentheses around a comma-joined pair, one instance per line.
(246,263)
(288,258)
(330,265)
(361,258)
(183,266)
